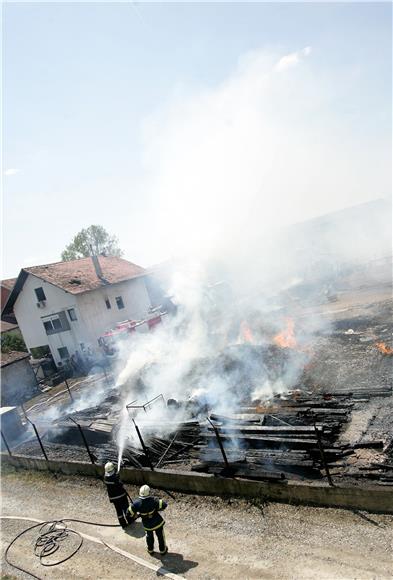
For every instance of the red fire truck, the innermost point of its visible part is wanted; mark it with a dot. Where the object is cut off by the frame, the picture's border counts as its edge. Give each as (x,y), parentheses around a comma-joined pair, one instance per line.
(122,331)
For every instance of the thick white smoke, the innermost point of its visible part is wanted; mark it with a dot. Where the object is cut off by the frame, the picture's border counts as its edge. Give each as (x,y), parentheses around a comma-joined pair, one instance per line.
(266,147)
(231,167)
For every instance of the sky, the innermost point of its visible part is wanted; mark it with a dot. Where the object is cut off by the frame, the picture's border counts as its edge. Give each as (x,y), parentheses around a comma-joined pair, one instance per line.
(179,125)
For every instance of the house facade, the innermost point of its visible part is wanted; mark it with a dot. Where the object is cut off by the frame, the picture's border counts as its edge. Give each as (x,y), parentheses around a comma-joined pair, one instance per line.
(67,306)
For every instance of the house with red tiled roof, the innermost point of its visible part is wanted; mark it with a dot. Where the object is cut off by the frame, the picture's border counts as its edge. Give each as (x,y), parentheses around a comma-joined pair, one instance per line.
(8,327)
(8,324)
(6,287)
(67,306)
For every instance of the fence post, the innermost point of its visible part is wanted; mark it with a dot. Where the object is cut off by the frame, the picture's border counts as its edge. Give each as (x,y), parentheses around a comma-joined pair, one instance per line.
(39,438)
(145,450)
(6,444)
(84,440)
(219,441)
(322,452)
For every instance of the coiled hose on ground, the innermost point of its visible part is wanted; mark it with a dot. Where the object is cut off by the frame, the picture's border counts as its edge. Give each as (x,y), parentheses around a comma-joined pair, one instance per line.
(51,534)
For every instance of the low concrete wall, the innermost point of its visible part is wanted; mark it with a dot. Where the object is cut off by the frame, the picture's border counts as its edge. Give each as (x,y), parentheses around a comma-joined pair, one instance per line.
(370,498)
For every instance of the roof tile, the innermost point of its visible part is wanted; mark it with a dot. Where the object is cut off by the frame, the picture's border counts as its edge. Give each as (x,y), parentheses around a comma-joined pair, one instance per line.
(77,276)
(9,283)
(7,326)
(12,356)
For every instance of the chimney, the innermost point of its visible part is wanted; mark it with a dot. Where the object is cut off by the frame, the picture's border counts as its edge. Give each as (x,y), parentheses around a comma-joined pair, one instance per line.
(96,265)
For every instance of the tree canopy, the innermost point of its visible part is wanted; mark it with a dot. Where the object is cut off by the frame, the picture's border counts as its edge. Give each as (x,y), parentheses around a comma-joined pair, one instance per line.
(90,241)
(11,341)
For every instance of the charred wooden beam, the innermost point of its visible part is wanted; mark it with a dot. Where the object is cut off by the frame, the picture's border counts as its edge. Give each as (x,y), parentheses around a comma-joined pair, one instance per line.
(266,440)
(250,472)
(238,418)
(167,449)
(275,430)
(373,444)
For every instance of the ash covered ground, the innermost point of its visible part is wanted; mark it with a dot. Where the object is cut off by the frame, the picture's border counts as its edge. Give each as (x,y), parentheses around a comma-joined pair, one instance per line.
(348,357)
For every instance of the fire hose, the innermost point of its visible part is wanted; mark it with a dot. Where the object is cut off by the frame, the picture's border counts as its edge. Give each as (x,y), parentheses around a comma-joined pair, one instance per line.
(53,532)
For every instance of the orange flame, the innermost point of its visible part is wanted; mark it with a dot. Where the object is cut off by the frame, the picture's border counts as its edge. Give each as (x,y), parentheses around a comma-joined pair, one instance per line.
(286,338)
(246,333)
(383,348)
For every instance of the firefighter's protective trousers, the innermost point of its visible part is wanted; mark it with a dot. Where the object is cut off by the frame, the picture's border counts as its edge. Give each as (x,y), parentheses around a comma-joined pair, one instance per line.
(160,537)
(118,496)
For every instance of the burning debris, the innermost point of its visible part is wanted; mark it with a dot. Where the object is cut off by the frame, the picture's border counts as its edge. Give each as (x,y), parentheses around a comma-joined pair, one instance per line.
(286,338)
(261,396)
(384,349)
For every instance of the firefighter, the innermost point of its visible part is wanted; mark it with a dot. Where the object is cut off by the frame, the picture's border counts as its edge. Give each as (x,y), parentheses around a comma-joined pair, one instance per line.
(117,495)
(148,507)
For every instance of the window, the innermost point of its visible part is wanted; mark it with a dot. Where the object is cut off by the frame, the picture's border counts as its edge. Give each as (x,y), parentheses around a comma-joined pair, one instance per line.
(108,304)
(119,302)
(48,326)
(56,323)
(63,352)
(39,292)
(72,314)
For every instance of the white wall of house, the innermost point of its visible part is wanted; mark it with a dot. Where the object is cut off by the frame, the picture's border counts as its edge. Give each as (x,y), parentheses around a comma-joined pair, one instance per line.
(30,317)
(93,317)
(98,318)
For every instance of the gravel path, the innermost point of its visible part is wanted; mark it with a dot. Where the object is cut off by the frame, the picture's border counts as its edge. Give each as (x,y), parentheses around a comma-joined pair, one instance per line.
(209,538)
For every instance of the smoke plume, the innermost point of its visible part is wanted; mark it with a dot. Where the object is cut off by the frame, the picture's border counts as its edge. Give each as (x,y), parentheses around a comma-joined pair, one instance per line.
(234,170)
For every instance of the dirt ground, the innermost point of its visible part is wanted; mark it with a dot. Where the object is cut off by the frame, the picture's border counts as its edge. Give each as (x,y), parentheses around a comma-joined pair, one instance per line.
(208,538)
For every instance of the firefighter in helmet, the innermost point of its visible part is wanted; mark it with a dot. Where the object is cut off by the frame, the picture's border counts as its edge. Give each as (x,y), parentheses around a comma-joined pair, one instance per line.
(117,495)
(148,507)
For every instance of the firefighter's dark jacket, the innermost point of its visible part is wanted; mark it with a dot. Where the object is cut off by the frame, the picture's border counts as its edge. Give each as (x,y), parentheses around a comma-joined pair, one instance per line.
(114,487)
(148,508)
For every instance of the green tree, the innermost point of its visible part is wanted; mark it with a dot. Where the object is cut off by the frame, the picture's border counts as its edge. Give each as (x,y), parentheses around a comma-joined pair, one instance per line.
(89,241)
(12,342)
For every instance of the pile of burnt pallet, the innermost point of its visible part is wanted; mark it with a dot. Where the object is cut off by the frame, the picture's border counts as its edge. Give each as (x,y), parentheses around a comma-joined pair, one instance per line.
(153,451)
(379,470)
(66,431)
(380,473)
(96,422)
(292,437)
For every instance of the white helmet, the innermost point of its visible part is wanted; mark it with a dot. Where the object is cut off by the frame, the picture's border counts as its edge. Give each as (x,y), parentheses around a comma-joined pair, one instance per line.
(109,468)
(144,491)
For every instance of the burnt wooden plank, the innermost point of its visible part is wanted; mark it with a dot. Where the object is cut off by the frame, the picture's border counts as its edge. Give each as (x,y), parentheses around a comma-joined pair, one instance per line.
(265,440)
(292,430)
(374,444)
(279,461)
(238,417)
(249,471)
